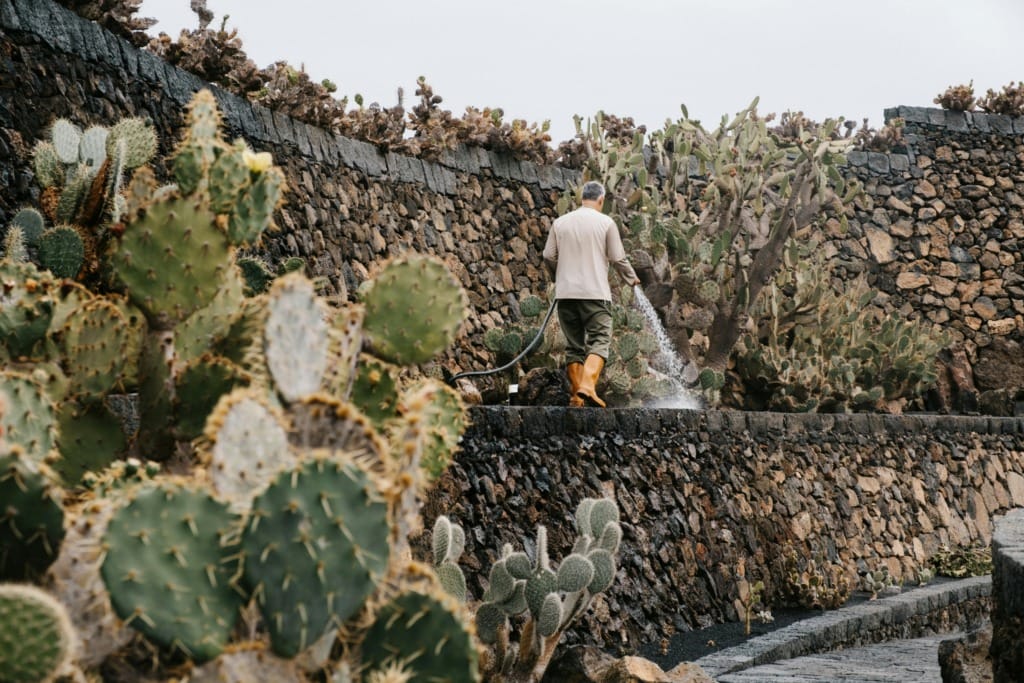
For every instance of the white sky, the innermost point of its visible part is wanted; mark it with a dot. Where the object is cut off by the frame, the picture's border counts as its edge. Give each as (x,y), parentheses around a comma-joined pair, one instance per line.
(550,59)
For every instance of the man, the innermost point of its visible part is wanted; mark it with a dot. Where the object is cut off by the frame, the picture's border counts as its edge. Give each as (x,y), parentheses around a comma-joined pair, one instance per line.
(580,246)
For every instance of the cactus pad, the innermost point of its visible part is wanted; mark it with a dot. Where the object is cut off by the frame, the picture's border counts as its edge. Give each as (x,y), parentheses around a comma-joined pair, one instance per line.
(28,418)
(95,343)
(90,438)
(199,384)
(426,633)
(31,223)
(139,140)
(36,637)
(443,415)
(31,517)
(168,568)
(375,391)
(316,545)
(296,337)
(26,306)
(346,339)
(61,251)
(413,309)
(249,446)
(172,259)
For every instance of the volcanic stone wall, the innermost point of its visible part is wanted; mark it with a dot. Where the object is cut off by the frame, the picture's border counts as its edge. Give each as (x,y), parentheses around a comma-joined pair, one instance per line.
(702,492)
(938,230)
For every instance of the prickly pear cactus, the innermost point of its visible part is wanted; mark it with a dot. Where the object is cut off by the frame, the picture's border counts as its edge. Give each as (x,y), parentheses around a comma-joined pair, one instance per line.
(443,415)
(315,547)
(322,421)
(31,223)
(168,568)
(28,418)
(375,391)
(248,447)
(426,633)
(31,516)
(36,637)
(172,260)
(89,439)
(414,307)
(296,337)
(198,385)
(95,344)
(27,299)
(61,251)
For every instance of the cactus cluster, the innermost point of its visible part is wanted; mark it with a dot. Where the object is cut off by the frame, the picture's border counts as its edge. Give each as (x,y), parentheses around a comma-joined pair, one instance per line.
(551,598)
(810,586)
(292,506)
(833,352)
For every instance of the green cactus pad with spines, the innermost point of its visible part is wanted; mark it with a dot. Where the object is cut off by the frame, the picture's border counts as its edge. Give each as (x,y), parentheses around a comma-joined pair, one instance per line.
(550,617)
(375,390)
(168,568)
(413,309)
(28,419)
(48,166)
(292,264)
(139,140)
(61,251)
(322,421)
(229,175)
(518,565)
(296,339)
(32,225)
(252,212)
(452,580)
(427,631)
(172,260)
(444,417)
(603,511)
(92,148)
(538,586)
(489,618)
(249,446)
(37,640)
(202,140)
(575,573)
(95,339)
(316,545)
(27,300)
(346,339)
(208,326)
(198,385)
(604,570)
(256,273)
(66,137)
(502,584)
(31,516)
(611,537)
(447,540)
(531,306)
(90,438)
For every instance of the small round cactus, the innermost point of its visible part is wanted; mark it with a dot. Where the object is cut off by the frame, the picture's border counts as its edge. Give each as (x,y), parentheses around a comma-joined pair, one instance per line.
(36,636)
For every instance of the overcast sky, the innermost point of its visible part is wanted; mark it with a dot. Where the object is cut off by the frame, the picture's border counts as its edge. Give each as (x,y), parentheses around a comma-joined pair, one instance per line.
(550,59)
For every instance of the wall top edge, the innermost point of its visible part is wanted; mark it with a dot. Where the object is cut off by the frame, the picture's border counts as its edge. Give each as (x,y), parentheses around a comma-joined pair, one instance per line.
(62,29)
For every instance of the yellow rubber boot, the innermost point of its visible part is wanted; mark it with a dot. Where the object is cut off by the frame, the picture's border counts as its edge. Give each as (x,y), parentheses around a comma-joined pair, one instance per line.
(588,385)
(575,373)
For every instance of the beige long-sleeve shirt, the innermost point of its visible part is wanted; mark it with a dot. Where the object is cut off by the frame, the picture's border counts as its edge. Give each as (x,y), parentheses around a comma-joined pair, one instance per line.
(580,246)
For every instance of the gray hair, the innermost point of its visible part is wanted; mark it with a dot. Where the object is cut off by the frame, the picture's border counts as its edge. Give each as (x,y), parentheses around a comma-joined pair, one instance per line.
(593,190)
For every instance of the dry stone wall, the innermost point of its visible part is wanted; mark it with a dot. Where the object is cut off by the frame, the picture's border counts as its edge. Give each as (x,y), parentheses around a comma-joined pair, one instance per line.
(703,491)
(938,230)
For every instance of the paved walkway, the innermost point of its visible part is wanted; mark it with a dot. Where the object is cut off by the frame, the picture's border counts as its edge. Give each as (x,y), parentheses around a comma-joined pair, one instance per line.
(905,661)
(823,649)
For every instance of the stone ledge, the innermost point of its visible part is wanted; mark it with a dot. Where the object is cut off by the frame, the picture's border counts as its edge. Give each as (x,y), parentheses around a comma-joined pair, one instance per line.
(958,121)
(848,626)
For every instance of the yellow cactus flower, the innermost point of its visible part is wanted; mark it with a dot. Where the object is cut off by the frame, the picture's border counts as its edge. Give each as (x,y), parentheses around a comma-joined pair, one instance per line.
(258,162)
